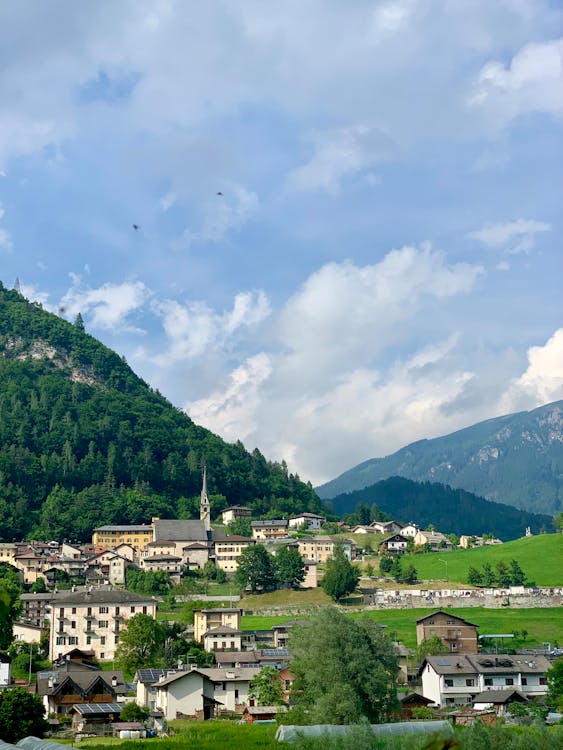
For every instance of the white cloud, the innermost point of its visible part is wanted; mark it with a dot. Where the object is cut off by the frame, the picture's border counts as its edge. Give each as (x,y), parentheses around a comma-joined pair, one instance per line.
(503,266)
(6,243)
(33,294)
(232,412)
(109,306)
(542,381)
(337,154)
(523,231)
(167,201)
(224,214)
(194,328)
(532,82)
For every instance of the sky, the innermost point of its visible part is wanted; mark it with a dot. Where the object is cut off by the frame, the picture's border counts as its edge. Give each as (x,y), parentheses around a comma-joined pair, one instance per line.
(349,214)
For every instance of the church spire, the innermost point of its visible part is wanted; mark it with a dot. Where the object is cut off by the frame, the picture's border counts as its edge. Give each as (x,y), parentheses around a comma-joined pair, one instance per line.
(204,506)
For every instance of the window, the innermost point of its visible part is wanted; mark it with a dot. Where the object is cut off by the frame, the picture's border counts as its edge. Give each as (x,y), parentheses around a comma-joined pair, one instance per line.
(449,622)
(132,610)
(60,641)
(488,681)
(102,655)
(449,683)
(543,680)
(88,640)
(73,624)
(236,693)
(509,681)
(524,680)
(117,611)
(103,610)
(116,638)
(470,682)
(432,631)
(103,640)
(73,610)
(62,612)
(103,623)
(431,622)
(73,640)
(144,610)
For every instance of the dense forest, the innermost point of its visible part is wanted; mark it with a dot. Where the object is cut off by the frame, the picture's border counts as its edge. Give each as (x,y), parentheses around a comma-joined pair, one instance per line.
(84,441)
(448,510)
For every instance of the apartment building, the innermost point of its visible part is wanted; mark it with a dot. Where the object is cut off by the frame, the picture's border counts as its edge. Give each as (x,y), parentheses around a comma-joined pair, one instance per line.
(213,619)
(309,521)
(458,635)
(137,536)
(457,679)
(229,549)
(269,529)
(233,512)
(320,548)
(91,620)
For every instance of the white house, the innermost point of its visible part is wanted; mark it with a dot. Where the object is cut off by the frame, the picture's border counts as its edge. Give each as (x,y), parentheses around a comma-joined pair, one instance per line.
(457,679)
(5,669)
(233,512)
(222,638)
(309,521)
(385,527)
(410,530)
(231,686)
(185,693)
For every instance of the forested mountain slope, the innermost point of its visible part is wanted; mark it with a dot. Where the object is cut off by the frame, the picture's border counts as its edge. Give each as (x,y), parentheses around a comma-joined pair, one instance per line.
(516,459)
(84,441)
(448,510)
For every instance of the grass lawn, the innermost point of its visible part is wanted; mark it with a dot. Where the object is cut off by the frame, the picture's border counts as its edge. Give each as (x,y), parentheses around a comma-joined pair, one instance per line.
(540,557)
(284,597)
(543,625)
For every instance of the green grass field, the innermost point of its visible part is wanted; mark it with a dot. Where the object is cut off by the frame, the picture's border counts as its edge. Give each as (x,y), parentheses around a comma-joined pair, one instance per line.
(540,557)
(543,624)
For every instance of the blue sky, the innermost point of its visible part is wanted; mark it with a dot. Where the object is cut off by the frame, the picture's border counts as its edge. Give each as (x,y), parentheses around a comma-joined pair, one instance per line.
(384,263)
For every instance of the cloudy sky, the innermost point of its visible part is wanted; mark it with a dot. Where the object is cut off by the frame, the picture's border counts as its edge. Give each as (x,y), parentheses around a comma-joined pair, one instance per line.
(349,213)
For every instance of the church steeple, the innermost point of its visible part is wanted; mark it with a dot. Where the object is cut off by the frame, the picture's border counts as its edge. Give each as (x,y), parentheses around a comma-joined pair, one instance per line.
(204,506)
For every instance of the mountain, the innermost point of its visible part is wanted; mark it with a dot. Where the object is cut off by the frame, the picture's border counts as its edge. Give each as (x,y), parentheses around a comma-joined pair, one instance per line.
(516,459)
(84,441)
(450,511)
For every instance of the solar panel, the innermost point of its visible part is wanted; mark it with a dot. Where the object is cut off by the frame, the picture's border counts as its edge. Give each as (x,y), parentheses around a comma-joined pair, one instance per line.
(98,708)
(151,675)
(275,652)
(443,662)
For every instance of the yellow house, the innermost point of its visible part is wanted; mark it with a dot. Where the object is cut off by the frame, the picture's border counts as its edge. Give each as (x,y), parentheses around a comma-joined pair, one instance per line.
(212,619)
(135,536)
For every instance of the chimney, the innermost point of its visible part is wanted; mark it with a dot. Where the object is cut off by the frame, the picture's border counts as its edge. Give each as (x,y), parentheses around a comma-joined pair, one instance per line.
(114,681)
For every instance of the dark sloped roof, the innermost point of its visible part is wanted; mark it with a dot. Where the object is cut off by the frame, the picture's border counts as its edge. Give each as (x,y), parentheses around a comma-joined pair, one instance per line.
(448,614)
(177,530)
(104,596)
(499,696)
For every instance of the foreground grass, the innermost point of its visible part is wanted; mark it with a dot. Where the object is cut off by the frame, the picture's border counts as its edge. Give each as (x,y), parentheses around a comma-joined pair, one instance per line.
(540,557)
(216,735)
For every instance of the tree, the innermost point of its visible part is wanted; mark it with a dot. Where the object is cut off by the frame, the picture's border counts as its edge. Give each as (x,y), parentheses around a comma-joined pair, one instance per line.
(474,577)
(489,578)
(131,711)
(503,576)
(386,564)
(517,575)
(266,687)
(290,568)
(79,322)
(555,684)
(21,714)
(141,644)
(345,669)
(10,604)
(430,647)
(341,577)
(408,575)
(256,569)
(240,527)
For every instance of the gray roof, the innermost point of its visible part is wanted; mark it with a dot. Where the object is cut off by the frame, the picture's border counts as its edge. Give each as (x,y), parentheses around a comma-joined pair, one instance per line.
(281,523)
(105,596)
(264,710)
(488,664)
(500,696)
(172,676)
(234,657)
(83,679)
(161,558)
(177,530)
(222,629)
(448,614)
(216,674)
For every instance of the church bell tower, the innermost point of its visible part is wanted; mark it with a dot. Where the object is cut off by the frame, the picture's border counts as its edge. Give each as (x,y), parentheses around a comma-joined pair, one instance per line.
(204,506)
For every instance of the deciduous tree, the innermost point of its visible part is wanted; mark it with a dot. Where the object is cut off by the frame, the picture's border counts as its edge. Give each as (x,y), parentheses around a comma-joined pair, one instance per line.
(141,643)
(21,714)
(341,577)
(256,569)
(290,568)
(266,687)
(345,669)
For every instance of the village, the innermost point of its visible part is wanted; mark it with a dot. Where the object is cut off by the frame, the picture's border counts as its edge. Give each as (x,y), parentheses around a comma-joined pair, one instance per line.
(451,669)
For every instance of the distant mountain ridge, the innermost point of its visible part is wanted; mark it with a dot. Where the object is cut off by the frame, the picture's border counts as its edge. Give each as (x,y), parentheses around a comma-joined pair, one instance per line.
(448,510)
(85,442)
(515,459)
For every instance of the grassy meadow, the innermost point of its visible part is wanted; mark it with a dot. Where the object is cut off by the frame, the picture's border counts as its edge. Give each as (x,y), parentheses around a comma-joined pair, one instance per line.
(540,557)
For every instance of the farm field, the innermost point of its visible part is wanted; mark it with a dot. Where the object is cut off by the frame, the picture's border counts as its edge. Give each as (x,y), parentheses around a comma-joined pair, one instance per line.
(540,557)
(543,624)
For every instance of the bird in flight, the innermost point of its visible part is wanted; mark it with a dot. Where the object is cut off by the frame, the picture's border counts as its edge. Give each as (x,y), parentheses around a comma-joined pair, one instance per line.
(220,193)
(135,227)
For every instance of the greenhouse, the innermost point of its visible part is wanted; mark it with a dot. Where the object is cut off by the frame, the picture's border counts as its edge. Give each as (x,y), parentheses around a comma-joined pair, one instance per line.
(291,733)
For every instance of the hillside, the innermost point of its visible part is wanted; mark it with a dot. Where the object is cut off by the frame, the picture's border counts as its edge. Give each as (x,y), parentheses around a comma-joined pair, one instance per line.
(540,557)
(451,511)
(84,441)
(516,459)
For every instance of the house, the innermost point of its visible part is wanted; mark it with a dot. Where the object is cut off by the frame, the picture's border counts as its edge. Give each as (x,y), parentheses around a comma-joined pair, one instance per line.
(500,700)
(409,701)
(269,529)
(222,638)
(311,580)
(186,693)
(109,565)
(8,553)
(36,608)
(211,619)
(228,551)
(476,541)
(136,536)
(231,686)
(410,530)
(252,714)
(459,636)
(385,527)
(319,549)
(237,659)
(23,631)
(170,564)
(287,679)
(457,679)
(70,683)
(5,669)
(362,529)
(403,656)
(393,544)
(91,619)
(145,681)
(438,542)
(307,521)
(235,511)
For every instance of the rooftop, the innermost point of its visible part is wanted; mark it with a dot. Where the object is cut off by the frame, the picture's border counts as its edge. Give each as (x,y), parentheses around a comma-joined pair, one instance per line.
(104,596)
